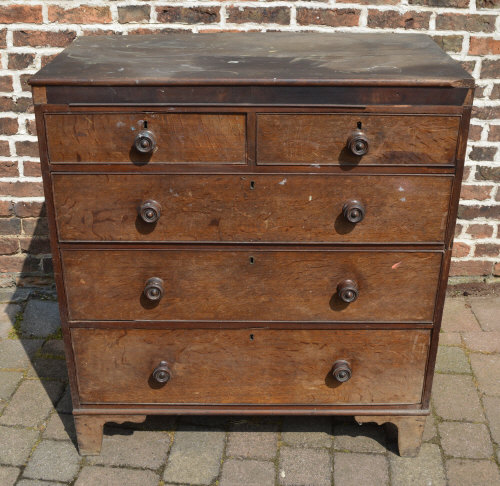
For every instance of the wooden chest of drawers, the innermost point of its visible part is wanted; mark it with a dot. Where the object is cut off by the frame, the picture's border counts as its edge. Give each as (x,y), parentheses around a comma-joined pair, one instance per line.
(252,223)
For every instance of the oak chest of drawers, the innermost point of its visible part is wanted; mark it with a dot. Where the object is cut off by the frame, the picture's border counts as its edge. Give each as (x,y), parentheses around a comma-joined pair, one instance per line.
(252,223)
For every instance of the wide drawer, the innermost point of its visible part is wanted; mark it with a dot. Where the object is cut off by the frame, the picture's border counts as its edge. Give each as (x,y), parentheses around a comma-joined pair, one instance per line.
(180,137)
(258,366)
(263,208)
(322,139)
(235,284)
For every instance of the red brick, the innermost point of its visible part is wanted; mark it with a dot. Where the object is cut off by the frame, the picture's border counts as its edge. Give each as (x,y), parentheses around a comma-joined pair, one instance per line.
(340,17)
(83,14)
(478,231)
(25,209)
(46,59)
(469,66)
(371,2)
(475,192)
(23,80)
(21,60)
(490,68)
(185,15)
(19,263)
(271,15)
(6,208)
(480,46)
(8,126)
(460,249)
(494,133)
(10,226)
(21,189)
(487,250)
(35,226)
(486,112)
(469,268)
(4,148)
(8,168)
(496,269)
(3,38)
(20,105)
(458,229)
(133,13)
(35,246)
(484,173)
(486,4)
(27,149)
(32,169)
(473,212)
(466,173)
(8,246)
(31,127)
(441,3)
(449,43)
(468,22)
(26,14)
(40,38)
(5,83)
(495,92)
(475,132)
(393,19)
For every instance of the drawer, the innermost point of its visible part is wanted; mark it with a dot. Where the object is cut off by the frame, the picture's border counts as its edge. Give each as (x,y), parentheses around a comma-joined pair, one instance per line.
(258,366)
(195,138)
(251,208)
(245,284)
(310,139)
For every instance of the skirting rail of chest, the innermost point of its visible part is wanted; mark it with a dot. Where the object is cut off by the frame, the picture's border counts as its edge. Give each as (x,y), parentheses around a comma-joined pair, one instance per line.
(269,238)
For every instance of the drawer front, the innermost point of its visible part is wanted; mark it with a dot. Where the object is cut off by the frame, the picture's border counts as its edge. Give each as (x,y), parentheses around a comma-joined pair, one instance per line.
(322,139)
(250,366)
(250,284)
(180,137)
(252,208)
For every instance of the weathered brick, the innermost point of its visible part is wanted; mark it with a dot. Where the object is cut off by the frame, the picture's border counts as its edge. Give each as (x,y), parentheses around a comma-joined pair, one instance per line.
(46,59)
(19,263)
(5,83)
(487,4)
(8,126)
(480,46)
(460,249)
(21,189)
(441,3)
(41,38)
(482,153)
(449,43)
(83,14)
(27,148)
(20,60)
(468,268)
(467,22)
(495,93)
(19,105)
(487,250)
(476,192)
(3,38)
(260,15)
(194,15)
(31,127)
(26,209)
(10,226)
(383,19)
(485,173)
(8,168)
(473,212)
(32,169)
(478,231)
(458,229)
(8,246)
(35,246)
(490,68)
(134,13)
(37,227)
(486,112)
(11,14)
(340,17)
(6,209)
(496,269)
(494,133)
(4,148)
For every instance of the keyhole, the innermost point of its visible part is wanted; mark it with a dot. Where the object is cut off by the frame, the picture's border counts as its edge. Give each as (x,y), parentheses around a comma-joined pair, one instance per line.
(145,124)
(251,337)
(359,125)
(251,260)
(252,185)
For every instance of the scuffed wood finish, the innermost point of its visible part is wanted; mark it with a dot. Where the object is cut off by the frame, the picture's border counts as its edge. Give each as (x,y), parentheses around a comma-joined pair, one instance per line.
(410,431)
(251,208)
(247,284)
(89,430)
(250,366)
(321,139)
(181,137)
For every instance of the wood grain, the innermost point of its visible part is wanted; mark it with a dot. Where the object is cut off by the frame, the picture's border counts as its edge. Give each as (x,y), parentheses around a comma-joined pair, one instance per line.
(250,366)
(224,284)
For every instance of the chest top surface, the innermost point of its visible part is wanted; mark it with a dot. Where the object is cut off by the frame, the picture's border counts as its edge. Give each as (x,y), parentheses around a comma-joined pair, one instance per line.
(279,58)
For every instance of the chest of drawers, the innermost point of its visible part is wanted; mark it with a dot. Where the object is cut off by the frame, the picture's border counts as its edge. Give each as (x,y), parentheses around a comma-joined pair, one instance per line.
(252,223)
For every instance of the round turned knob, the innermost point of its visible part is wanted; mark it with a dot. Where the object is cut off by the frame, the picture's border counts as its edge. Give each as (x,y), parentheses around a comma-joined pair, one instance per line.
(348,290)
(150,211)
(145,141)
(153,289)
(342,370)
(354,211)
(162,373)
(358,143)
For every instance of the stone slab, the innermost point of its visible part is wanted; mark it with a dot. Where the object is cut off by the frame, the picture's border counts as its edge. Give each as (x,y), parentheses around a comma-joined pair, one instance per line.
(16,445)
(253,440)
(483,342)
(41,318)
(359,438)
(492,409)
(452,360)
(8,383)
(467,472)
(487,312)
(299,466)
(458,316)
(360,469)
(460,439)
(8,475)
(307,431)
(60,427)
(16,353)
(485,367)
(247,472)
(111,476)
(54,369)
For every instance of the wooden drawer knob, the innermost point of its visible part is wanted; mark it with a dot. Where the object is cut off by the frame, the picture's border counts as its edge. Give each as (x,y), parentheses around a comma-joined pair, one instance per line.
(354,211)
(342,370)
(153,290)
(357,143)
(150,211)
(145,141)
(162,373)
(348,290)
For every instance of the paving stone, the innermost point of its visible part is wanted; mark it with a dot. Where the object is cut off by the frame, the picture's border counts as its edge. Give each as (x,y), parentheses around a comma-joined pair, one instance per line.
(8,383)
(60,427)
(452,360)
(195,456)
(15,353)
(5,329)
(31,403)
(359,438)
(256,440)
(8,312)
(455,398)
(247,473)
(16,445)
(425,469)
(41,318)
(53,461)
(486,311)
(460,439)
(484,342)
(458,317)
(53,347)
(64,405)
(360,469)
(14,294)
(8,475)
(465,472)
(430,430)
(35,482)
(48,368)
(450,339)
(135,448)
(307,431)
(486,368)
(112,476)
(304,467)
(492,408)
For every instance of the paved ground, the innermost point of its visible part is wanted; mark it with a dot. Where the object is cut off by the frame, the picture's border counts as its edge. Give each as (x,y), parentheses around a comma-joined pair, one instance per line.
(37,448)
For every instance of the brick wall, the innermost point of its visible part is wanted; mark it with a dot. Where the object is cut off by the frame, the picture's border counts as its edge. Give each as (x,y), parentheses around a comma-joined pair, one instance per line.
(33,32)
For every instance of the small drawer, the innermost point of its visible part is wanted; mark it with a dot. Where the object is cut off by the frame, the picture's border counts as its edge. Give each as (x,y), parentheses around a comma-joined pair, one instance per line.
(352,139)
(140,138)
(245,284)
(251,208)
(258,366)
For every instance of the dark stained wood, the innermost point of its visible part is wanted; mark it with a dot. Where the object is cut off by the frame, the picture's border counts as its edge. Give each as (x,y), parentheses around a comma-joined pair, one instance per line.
(110,137)
(323,139)
(250,366)
(243,284)
(251,208)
